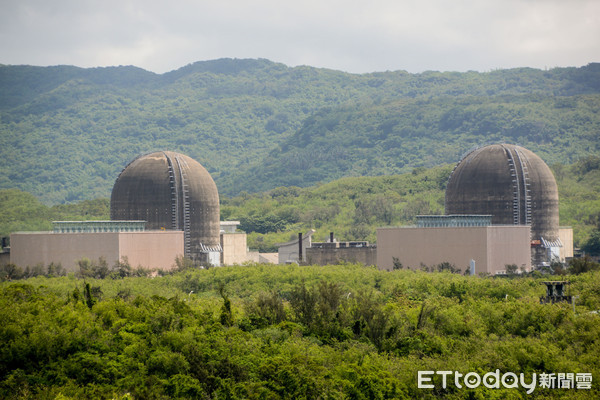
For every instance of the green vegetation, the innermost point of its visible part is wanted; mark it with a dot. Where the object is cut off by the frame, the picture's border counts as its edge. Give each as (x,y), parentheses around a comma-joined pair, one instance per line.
(352,208)
(400,135)
(579,201)
(290,332)
(67,132)
(21,211)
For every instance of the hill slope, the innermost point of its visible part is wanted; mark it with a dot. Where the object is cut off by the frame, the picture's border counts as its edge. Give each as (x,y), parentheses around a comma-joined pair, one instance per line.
(395,137)
(66,132)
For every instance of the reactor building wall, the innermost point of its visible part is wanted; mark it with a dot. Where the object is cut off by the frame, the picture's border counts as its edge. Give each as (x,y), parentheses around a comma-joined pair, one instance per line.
(171,191)
(515,187)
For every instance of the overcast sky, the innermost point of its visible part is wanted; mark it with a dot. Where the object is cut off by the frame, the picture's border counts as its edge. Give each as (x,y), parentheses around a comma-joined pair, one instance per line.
(347,35)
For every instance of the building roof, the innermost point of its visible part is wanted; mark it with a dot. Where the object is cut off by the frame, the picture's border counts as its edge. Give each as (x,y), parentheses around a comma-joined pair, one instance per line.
(307,235)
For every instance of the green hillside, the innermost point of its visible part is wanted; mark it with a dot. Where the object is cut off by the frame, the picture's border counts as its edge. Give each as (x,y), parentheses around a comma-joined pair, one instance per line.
(66,132)
(384,139)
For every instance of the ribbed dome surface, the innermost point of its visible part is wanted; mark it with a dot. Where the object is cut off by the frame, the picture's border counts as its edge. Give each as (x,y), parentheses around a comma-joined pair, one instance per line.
(510,183)
(170,191)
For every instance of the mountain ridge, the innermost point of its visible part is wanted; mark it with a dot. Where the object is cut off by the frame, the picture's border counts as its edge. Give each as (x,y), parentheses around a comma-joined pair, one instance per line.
(66,132)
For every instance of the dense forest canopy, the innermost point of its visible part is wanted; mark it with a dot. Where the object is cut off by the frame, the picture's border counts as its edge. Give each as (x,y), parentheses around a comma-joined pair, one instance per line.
(66,132)
(293,332)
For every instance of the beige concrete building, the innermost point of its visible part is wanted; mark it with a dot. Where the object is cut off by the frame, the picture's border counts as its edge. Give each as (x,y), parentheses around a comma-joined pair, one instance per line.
(71,241)
(491,247)
(235,250)
(234,245)
(565,234)
(148,249)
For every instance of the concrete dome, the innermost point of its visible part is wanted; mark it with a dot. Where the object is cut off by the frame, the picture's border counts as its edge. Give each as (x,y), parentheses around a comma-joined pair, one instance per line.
(170,191)
(510,183)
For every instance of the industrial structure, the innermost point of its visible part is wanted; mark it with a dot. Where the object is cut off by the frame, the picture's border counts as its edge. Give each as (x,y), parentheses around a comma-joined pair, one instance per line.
(4,251)
(235,247)
(114,241)
(171,191)
(294,251)
(163,205)
(515,187)
(302,250)
(501,209)
(556,291)
(461,240)
(334,252)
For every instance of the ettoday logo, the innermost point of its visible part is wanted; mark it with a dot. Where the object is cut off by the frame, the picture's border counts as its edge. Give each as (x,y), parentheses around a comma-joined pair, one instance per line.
(497,380)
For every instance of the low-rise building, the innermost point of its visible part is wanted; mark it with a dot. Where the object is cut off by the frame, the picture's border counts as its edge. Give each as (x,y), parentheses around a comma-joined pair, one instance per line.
(333,252)
(234,245)
(72,241)
(111,240)
(456,240)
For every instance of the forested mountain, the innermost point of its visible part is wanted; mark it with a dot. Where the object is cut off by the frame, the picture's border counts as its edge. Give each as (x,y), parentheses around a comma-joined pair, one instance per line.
(383,139)
(66,132)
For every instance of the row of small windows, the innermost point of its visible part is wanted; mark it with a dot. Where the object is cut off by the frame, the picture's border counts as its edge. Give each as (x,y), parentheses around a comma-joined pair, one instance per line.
(98,226)
(439,221)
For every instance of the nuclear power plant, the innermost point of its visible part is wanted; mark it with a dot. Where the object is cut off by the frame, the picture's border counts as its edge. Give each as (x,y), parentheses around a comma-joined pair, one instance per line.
(163,205)
(171,191)
(515,187)
(501,208)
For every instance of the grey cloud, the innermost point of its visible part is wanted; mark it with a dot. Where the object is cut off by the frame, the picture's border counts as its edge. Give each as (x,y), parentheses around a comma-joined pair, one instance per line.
(414,35)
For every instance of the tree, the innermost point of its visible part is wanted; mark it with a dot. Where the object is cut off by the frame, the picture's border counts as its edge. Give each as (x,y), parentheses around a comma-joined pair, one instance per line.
(267,309)
(511,269)
(89,298)
(592,245)
(121,269)
(10,271)
(262,223)
(446,266)
(226,317)
(303,302)
(183,263)
(582,265)
(397,264)
(55,270)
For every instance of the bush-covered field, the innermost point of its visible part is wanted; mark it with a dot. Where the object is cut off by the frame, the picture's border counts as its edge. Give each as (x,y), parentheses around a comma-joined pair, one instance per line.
(291,332)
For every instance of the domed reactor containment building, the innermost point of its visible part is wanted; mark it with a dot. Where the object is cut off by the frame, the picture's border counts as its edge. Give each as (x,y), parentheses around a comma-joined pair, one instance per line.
(171,191)
(515,187)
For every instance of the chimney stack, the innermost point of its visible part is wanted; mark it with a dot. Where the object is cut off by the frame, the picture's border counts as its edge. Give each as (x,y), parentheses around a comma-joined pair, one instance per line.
(300,247)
